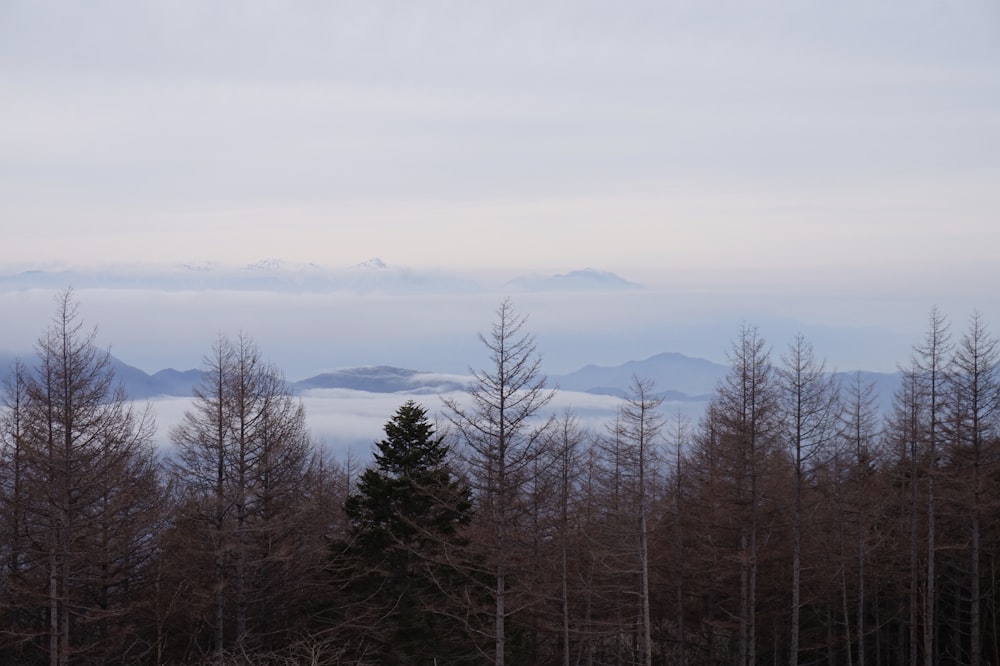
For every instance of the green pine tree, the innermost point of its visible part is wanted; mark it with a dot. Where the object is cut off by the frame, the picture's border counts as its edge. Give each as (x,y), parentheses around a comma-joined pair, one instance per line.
(405,522)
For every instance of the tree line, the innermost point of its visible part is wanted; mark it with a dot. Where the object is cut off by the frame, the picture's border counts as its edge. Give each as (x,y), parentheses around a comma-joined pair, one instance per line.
(793,523)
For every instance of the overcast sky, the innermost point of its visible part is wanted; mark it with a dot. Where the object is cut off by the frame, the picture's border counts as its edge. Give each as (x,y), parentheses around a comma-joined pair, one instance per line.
(803,140)
(816,166)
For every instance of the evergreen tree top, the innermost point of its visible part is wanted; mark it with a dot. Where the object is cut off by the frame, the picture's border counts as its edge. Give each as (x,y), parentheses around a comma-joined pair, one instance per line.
(410,446)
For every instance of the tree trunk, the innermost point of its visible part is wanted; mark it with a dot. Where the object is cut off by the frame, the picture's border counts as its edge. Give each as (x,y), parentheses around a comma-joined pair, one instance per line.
(861,587)
(975,631)
(744,643)
(793,643)
(679,554)
(931,597)
(53,608)
(564,585)
(647,638)
(914,596)
(752,598)
(499,627)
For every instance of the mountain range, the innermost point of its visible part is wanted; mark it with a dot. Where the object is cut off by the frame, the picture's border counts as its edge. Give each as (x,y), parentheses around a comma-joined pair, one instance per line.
(676,378)
(275,275)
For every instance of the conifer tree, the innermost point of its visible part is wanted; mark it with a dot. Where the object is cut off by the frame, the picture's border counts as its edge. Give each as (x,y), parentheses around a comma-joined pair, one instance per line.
(404,519)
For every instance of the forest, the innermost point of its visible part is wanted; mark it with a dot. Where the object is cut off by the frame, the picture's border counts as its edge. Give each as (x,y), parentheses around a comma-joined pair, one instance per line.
(794,523)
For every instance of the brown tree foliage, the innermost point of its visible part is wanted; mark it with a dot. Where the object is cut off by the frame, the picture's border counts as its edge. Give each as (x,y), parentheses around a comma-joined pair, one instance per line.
(794,523)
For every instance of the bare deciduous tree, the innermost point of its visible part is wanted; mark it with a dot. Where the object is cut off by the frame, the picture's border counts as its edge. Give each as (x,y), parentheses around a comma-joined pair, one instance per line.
(83,499)
(930,361)
(809,413)
(243,462)
(640,424)
(501,433)
(859,434)
(974,387)
(745,407)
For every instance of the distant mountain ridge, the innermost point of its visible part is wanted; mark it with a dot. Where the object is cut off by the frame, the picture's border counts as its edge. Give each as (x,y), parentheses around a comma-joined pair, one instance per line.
(276,275)
(587,279)
(271,275)
(671,372)
(676,378)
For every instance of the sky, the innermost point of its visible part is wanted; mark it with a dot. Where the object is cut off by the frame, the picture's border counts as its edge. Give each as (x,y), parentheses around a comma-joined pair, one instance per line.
(777,138)
(829,167)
